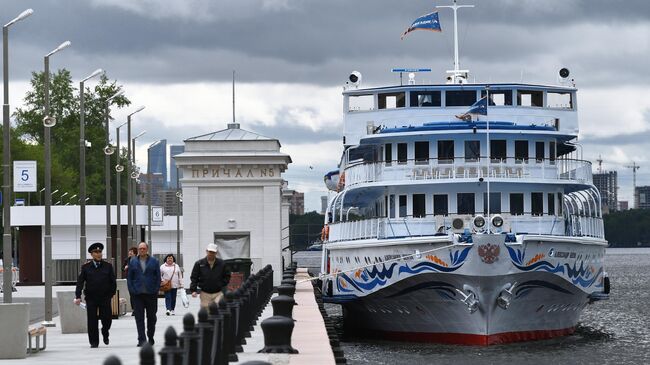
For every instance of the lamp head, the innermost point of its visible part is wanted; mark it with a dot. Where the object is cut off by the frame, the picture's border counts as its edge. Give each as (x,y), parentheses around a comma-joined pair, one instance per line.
(95,73)
(137,110)
(118,93)
(20,17)
(61,46)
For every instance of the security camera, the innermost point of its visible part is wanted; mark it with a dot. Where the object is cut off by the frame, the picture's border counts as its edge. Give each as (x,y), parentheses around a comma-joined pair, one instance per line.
(564,72)
(355,77)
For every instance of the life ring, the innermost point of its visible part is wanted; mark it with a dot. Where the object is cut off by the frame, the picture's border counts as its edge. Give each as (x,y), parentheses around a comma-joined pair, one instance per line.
(341,183)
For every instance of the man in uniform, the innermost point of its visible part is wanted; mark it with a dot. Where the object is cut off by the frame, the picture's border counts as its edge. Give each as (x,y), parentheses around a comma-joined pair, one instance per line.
(98,277)
(211,275)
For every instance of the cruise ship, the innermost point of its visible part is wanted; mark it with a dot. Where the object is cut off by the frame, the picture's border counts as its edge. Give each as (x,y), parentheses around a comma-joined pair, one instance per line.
(462,212)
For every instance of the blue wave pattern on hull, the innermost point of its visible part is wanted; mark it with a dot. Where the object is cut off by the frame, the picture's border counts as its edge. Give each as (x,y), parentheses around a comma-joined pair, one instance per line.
(374,277)
(524,288)
(579,276)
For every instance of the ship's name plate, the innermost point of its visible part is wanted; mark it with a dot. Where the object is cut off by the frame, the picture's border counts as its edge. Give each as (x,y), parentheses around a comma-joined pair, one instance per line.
(234,172)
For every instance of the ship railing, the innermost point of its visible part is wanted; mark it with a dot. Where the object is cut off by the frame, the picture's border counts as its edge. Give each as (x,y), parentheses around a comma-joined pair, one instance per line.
(462,168)
(382,228)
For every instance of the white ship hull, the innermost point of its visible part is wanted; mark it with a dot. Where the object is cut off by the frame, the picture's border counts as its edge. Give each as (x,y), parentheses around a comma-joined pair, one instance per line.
(485,292)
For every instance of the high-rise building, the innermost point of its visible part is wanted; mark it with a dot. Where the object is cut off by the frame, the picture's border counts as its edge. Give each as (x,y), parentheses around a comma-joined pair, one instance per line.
(157,185)
(607,184)
(642,193)
(323,204)
(173,151)
(158,163)
(169,202)
(297,201)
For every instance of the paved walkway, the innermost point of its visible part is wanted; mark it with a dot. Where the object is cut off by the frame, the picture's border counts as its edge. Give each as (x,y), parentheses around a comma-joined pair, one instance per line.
(309,336)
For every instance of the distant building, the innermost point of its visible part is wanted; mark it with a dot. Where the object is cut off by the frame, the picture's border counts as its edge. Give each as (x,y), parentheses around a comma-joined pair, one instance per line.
(642,196)
(169,202)
(297,203)
(323,204)
(158,163)
(623,205)
(157,185)
(607,184)
(173,151)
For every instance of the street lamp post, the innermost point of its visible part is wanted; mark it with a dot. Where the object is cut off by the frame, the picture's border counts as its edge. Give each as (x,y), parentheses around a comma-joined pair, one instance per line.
(134,177)
(108,151)
(48,123)
(129,231)
(6,163)
(82,169)
(149,176)
(118,193)
(179,198)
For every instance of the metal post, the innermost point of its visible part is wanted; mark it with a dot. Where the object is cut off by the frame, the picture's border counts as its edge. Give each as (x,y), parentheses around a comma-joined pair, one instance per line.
(107,186)
(129,236)
(48,203)
(118,193)
(6,178)
(82,178)
(134,202)
(178,219)
(7,259)
(149,196)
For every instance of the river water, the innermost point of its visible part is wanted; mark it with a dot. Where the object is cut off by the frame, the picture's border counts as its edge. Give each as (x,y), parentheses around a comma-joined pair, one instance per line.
(616,331)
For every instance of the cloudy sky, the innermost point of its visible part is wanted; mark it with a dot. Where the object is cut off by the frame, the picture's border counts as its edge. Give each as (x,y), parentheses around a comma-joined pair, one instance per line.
(293,56)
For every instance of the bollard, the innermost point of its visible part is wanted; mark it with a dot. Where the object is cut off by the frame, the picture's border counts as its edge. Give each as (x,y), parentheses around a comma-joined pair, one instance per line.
(147,356)
(205,330)
(232,299)
(216,319)
(228,333)
(112,360)
(288,282)
(256,362)
(170,354)
(189,340)
(277,335)
(283,306)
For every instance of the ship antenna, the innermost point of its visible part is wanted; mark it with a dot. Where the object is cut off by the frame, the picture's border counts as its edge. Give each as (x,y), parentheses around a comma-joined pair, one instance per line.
(457,72)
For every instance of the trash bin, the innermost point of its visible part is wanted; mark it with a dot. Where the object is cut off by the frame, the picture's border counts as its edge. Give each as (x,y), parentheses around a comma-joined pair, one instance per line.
(240,270)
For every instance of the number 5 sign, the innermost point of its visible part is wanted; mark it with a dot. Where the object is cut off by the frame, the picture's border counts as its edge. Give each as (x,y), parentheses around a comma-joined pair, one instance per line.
(24,176)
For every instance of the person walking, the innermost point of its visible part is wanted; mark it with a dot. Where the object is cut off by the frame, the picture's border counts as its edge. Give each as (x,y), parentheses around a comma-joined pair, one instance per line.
(172,277)
(210,275)
(97,280)
(143,280)
(133,251)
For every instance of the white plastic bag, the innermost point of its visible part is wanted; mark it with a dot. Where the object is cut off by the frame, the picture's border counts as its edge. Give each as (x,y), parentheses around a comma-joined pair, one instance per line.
(184,299)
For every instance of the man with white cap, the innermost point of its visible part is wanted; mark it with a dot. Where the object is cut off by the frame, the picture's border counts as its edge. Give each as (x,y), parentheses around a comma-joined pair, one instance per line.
(210,275)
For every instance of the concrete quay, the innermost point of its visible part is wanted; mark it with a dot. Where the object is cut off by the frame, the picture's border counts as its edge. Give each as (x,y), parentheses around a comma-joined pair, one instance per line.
(309,334)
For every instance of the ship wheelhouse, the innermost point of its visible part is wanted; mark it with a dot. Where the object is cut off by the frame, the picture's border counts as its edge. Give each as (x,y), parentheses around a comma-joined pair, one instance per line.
(411,168)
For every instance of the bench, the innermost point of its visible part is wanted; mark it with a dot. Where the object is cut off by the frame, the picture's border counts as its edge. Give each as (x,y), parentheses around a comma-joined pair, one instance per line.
(36,333)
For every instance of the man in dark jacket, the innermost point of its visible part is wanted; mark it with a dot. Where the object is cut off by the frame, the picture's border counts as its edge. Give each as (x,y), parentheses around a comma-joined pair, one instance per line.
(143,280)
(210,275)
(98,277)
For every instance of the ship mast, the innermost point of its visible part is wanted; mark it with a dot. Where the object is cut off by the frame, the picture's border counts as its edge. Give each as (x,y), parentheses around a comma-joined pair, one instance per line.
(459,76)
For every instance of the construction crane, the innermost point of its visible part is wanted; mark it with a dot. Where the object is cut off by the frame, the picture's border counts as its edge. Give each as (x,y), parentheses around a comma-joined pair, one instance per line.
(600,164)
(634,167)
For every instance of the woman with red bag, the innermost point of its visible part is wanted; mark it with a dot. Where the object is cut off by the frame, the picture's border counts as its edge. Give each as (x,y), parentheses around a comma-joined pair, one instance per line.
(171,278)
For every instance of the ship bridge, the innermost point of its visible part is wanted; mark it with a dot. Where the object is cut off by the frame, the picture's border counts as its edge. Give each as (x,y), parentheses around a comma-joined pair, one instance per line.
(366,111)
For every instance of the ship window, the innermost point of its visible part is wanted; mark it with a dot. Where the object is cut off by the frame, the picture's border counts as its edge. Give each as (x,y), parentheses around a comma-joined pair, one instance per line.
(559,100)
(465,203)
(499,97)
(516,203)
(388,153)
(419,206)
(551,151)
(560,202)
(530,98)
(537,203)
(425,98)
(361,103)
(401,153)
(498,150)
(440,205)
(521,151)
(495,203)
(445,151)
(422,152)
(391,207)
(539,151)
(391,100)
(460,97)
(551,204)
(402,205)
(472,151)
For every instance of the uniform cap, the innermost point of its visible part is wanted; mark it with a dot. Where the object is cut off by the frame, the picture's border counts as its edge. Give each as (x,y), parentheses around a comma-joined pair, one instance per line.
(212,247)
(95,246)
